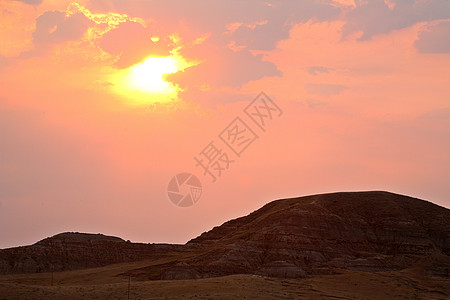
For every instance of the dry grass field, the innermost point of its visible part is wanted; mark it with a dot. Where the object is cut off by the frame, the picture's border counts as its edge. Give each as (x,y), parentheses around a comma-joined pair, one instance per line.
(108,283)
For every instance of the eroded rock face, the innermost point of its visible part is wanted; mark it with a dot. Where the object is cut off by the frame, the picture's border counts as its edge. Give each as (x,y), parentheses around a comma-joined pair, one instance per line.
(368,231)
(69,251)
(291,238)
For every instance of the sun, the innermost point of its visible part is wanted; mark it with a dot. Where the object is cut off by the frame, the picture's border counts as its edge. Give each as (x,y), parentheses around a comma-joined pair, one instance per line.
(143,83)
(148,75)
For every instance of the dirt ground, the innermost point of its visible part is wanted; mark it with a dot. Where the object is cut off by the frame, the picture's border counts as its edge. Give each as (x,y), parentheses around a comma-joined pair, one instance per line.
(107,283)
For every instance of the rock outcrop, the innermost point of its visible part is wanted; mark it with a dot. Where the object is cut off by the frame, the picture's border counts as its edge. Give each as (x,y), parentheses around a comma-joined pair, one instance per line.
(367,231)
(290,238)
(70,250)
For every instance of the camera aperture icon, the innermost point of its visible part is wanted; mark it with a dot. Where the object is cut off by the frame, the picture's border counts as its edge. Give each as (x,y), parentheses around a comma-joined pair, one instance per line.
(184,189)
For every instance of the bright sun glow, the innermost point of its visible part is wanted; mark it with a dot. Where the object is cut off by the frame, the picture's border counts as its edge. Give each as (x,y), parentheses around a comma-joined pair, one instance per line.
(144,82)
(148,76)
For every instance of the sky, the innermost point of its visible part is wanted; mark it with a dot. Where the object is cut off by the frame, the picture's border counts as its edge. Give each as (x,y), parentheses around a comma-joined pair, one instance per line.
(111,111)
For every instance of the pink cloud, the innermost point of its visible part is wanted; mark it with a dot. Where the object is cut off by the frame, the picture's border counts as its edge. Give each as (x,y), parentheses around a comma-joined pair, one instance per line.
(434,39)
(132,43)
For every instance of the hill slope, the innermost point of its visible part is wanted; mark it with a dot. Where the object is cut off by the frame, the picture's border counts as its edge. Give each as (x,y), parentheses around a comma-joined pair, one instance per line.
(290,238)
(72,250)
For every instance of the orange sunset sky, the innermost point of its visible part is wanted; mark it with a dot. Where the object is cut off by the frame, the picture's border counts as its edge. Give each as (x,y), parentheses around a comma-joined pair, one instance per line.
(102,102)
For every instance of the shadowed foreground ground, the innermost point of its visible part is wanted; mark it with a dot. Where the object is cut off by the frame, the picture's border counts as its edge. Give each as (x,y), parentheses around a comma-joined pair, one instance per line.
(359,245)
(107,283)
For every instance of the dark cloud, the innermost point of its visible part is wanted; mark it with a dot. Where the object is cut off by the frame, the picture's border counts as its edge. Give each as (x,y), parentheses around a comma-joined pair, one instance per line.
(260,26)
(220,67)
(224,67)
(437,114)
(213,16)
(279,20)
(374,17)
(214,98)
(54,27)
(132,43)
(315,70)
(435,39)
(31,2)
(311,102)
(257,25)
(323,89)
(253,25)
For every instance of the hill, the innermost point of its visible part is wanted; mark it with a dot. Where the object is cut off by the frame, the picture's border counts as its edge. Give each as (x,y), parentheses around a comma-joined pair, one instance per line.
(289,238)
(292,238)
(73,250)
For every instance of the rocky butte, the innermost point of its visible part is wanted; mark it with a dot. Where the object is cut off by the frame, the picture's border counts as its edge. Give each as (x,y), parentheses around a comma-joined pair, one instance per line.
(289,238)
